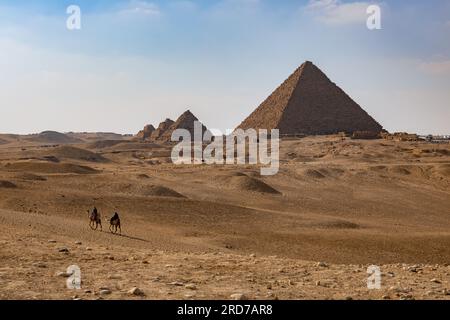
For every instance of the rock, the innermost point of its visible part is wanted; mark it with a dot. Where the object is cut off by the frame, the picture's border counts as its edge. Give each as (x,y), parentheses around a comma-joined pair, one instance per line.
(435,281)
(40,265)
(51,241)
(135,291)
(78,242)
(114,277)
(318,283)
(322,264)
(386,298)
(63,274)
(238,296)
(191,286)
(88,249)
(176,283)
(348,298)
(105,291)
(87,291)
(253,255)
(63,250)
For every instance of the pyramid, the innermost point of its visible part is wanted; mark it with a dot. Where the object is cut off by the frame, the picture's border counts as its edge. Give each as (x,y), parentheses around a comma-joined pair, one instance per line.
(185,121)
(146,133)
(309,103)
(165,129)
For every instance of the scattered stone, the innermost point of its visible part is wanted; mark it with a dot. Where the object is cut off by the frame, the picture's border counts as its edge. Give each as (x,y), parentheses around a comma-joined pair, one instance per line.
(391,274)
(40,265)
(322,264)
(87,291)
(386,298)
(63,274)
(51,241)
(348,298)
(63,250)
(135,291)
(191,286)
(176,283)
(105,291)
(88,249)
(78,242)
(253,255)
(238,296)
(435,281)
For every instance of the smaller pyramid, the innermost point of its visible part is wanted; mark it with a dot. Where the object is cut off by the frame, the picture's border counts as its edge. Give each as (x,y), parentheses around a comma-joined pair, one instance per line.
(165,129)
(308,102)
(146,132)
(185,121)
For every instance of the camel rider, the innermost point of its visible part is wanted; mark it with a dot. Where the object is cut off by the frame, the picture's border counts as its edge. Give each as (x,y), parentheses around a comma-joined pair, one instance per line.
(94,213)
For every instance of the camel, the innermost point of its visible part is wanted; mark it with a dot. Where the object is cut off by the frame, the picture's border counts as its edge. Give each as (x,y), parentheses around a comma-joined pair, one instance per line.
(95,219)
(114,224)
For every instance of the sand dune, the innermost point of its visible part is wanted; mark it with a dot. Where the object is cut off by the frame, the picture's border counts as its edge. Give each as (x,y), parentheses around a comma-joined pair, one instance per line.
(160,191)
(7,184)
(52,137)
(49,167)
(30,177)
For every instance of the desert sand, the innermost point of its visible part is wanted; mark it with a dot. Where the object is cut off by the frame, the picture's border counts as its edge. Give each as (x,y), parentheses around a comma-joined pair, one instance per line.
(336,207)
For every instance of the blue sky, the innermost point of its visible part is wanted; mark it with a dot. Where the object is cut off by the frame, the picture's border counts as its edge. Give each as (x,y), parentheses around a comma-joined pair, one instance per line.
(136,62)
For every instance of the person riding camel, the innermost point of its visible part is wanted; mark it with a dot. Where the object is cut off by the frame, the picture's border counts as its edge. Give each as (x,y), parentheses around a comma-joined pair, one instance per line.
(114,223)
(95,219)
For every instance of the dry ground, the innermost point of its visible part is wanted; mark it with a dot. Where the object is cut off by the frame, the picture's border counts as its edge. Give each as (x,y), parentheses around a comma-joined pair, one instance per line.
(205,232)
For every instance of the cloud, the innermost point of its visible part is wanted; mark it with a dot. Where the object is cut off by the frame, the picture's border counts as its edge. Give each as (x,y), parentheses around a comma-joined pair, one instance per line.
(141,7)
(441,67)
(335,12)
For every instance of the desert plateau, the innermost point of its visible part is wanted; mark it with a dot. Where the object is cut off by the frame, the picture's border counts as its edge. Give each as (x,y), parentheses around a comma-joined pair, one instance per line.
(337,206)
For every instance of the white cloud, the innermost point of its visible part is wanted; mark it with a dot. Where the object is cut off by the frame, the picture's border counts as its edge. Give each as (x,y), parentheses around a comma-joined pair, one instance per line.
(141,7)
(441,67)
(335,12)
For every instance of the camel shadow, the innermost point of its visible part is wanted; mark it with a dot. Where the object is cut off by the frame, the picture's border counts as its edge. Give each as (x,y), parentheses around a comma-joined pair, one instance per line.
(124,236)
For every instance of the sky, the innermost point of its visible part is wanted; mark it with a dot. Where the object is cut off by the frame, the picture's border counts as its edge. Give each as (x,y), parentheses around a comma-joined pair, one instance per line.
(135,62)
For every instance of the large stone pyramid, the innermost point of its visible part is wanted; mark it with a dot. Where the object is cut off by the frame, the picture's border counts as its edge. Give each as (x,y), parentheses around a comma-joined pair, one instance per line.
(309,103)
